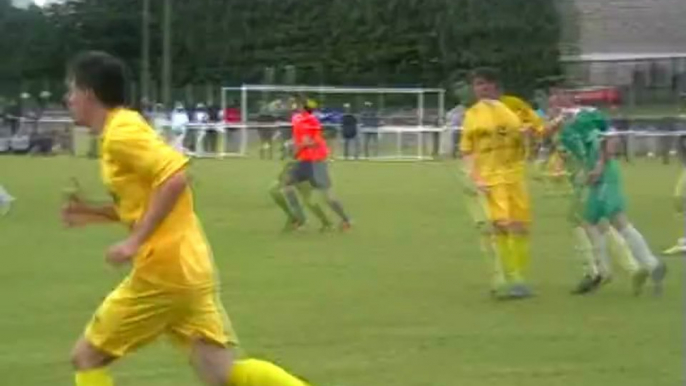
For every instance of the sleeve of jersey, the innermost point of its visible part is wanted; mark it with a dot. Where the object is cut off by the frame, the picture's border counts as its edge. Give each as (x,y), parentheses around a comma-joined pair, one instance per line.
(467,137)
(145,154)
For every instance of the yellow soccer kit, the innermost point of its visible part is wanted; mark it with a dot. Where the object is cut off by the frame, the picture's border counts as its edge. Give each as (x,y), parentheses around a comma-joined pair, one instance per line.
(492,135)
(171,288)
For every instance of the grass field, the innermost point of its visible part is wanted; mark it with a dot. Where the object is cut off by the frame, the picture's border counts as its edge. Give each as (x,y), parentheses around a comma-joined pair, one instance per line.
(400,301)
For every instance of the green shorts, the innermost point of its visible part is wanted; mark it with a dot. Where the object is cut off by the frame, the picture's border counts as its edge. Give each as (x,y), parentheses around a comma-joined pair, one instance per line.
(606,198)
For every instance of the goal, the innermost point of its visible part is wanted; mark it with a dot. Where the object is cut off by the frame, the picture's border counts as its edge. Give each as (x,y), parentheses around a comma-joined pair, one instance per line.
(392,123)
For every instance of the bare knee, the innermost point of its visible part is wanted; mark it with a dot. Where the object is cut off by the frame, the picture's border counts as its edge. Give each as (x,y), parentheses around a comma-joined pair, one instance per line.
(518,228)
(212,362)
(85,356)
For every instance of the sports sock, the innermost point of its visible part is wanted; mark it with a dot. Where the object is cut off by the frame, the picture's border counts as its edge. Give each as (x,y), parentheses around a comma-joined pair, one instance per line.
(337,207)
(279,198)
(600,251)
(639,247)
(314,206)
(294,204)
(508,258)
(96,377)
(489,249)
(621,252)
(254,372)
(584,249)
(521,251)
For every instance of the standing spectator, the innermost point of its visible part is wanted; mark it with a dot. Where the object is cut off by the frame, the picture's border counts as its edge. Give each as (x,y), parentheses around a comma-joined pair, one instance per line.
(370,125)
(454,119)
(179,120)
(349,132)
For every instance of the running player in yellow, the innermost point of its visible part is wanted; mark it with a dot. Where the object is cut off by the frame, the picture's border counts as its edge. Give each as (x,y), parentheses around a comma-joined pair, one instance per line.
(172,287)
(494,155)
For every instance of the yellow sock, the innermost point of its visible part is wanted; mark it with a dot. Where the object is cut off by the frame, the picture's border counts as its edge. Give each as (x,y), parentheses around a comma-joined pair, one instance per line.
(254,372)
(489,249)
(508,258)
(621,252)
(96,377)
(521,251)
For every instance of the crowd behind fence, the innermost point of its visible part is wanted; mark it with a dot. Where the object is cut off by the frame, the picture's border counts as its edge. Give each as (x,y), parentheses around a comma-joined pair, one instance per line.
(640,137)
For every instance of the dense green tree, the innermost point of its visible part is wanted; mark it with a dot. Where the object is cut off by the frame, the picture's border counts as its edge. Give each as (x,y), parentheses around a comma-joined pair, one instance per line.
(361,42)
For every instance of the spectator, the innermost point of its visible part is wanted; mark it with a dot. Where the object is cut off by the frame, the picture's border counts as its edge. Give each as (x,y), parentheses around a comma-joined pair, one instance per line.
(349,132)
(370,126)
(179,121)
(454,118)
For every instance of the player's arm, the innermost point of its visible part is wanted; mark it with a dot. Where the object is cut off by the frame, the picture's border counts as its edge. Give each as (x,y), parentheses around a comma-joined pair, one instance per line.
(164,169)
(78,212)
(467,148)
(161,203)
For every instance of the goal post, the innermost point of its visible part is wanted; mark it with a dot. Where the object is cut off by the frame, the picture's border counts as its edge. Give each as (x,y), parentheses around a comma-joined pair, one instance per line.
(408,120)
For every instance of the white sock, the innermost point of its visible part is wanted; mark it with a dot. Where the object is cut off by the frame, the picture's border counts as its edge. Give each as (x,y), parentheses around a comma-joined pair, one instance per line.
(639,247)
(4,195)
(600,251)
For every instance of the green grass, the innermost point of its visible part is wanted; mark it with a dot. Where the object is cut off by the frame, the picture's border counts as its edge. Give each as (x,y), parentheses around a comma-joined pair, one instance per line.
(399,301)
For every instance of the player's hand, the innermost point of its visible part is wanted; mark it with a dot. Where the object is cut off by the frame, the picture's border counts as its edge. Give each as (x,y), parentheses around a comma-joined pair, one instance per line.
(76,214)
(123,252)
(594,175)
(680,204)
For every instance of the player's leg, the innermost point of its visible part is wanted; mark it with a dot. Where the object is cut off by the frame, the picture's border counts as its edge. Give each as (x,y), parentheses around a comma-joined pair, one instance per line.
(314,201)
(206,331)
(297,174)
(648,262)
(498,204)
(5,201)
(322,182)
(477,208)
(277,194)
(620,252)
(520,219)
(122,323)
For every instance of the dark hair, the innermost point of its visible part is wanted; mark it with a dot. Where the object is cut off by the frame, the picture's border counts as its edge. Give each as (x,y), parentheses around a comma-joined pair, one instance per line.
(101,73)
(486,73)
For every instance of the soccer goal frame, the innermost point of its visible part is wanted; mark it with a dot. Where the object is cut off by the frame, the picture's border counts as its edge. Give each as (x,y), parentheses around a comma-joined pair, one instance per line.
(422,94)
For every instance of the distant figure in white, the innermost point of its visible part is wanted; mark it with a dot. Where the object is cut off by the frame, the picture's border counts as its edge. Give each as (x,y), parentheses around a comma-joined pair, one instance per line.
(453,119)
(179,121)
(5,201)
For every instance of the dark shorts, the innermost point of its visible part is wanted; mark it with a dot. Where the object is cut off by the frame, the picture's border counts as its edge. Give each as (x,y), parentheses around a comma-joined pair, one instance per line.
(316,173)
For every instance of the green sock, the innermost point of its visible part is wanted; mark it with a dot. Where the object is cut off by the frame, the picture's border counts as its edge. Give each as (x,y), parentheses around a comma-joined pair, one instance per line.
(278,197)
(294,206)
(315,207)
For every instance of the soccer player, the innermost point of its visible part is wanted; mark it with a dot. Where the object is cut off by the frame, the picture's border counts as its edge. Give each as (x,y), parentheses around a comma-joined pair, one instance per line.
(680,197)
(311,153)
(5,201)
(494,156)
(584,137)
(171,289)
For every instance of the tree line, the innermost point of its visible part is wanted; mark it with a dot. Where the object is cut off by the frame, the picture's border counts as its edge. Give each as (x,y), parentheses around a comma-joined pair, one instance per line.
(431,43)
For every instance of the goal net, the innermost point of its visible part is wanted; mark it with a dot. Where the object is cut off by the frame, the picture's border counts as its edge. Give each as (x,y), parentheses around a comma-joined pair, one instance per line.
(390,123)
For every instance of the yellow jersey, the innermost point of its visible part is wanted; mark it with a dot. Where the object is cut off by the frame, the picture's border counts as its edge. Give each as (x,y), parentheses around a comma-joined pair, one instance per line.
(134,162)
(492,134)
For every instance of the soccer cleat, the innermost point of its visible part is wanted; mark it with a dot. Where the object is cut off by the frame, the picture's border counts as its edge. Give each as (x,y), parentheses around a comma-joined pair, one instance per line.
(293,225)
(658,276)
(638,281)
(513,292)
(679,248)
(588,284)
(345,226)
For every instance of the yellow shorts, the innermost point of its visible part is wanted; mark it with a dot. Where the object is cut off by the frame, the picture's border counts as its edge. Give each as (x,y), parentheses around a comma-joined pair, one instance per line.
(136,313)
(508,202)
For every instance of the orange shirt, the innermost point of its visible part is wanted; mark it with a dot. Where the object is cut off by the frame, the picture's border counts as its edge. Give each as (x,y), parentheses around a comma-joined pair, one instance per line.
(134,162)
(305,124)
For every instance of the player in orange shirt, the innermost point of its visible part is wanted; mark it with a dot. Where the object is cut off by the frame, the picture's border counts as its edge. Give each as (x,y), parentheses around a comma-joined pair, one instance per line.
(311,153)
(172,287)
